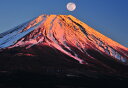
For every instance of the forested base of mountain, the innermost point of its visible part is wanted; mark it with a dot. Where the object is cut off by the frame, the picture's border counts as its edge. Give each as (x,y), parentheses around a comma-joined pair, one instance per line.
(54,79)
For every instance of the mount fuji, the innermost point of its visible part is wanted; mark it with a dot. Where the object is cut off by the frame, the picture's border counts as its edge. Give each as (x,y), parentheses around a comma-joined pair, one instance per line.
(60,47)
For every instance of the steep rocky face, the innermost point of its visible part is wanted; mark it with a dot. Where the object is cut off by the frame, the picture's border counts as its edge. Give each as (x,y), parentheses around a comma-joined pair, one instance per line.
(68,38)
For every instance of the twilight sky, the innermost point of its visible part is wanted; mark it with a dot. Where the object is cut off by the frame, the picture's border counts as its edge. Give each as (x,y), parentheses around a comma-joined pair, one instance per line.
(110,17)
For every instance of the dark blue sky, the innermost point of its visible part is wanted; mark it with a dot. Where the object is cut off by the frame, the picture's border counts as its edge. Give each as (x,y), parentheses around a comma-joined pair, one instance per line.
(110,17)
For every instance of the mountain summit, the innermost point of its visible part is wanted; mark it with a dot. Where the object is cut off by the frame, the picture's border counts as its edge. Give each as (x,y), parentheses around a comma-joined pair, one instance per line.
(61,43)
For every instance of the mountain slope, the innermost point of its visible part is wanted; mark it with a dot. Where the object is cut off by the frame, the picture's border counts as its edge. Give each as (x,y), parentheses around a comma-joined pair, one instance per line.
(61,41)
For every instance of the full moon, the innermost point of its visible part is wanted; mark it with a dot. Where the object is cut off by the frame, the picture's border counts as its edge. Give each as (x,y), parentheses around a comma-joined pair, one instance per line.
(71,6)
